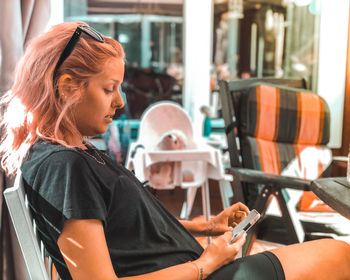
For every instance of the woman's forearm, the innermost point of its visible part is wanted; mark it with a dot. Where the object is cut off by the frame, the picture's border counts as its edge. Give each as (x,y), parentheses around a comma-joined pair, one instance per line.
(203,228)
(197,228)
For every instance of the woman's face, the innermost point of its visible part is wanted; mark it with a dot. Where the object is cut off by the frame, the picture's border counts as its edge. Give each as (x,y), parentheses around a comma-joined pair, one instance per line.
(100,99)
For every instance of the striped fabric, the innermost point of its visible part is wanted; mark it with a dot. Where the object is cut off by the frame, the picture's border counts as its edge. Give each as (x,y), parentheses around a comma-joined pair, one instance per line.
(285,131)
(285,114)
(296,160)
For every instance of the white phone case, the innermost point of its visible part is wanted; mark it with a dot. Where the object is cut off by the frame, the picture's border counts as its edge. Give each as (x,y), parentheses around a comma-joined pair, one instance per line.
(245,225)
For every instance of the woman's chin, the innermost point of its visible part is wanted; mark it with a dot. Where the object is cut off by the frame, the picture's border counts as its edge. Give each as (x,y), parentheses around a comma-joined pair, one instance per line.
(97,132)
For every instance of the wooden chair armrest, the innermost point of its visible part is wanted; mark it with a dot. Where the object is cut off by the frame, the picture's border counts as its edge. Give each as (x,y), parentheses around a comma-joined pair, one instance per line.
(259,177)
(340,159)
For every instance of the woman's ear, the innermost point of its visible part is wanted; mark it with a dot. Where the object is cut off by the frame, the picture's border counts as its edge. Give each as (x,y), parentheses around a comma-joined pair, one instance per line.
(65,85)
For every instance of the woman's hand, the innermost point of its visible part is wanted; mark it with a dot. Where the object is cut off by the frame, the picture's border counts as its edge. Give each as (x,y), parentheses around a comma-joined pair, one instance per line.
(227,219)
(219,252)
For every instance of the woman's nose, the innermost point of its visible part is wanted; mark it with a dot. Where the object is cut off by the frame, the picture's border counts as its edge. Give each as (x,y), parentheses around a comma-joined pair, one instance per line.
(118,101)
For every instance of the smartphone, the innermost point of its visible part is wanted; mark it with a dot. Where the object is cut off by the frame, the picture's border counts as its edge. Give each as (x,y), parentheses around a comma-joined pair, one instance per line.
(245,225)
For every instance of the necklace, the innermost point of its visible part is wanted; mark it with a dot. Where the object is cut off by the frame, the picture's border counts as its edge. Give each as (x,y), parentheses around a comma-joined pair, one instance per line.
(101,161)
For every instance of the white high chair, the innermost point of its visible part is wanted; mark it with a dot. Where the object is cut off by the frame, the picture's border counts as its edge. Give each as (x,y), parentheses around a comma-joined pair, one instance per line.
(200,159)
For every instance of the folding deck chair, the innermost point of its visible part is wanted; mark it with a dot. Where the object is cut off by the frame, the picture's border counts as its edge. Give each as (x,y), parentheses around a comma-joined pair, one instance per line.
(272,127)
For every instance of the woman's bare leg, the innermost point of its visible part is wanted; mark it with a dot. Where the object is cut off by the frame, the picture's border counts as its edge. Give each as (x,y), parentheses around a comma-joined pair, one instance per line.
(319,259)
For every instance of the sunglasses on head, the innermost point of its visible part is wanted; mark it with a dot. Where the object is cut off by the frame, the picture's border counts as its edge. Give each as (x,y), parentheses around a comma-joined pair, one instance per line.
(72,42)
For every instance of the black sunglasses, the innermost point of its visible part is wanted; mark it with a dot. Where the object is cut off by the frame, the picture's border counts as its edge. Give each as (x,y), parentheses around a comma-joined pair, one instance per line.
(72,42)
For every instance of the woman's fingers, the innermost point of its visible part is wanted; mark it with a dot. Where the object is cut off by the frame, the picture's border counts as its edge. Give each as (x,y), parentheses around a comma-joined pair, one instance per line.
(227,236)
(236,244)
(239,215)
(237,212)
(236,217)
(220,251)
(239,207)
(239,242)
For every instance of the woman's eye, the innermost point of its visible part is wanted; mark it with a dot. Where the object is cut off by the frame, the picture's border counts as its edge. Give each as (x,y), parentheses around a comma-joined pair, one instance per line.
(108,91)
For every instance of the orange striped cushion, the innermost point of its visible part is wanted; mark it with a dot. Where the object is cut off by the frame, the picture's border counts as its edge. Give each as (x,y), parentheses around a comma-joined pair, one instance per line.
(285,114)
(285,130)
(298,160)
(295,160)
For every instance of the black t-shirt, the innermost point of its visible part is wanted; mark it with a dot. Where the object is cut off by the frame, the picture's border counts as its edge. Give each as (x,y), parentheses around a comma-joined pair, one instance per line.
(142,236)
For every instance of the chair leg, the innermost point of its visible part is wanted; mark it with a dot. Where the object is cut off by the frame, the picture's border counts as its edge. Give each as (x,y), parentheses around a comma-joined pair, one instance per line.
(50,268)
(225,192)
(188,203)
(206,203)
(238,195)
(206,200)
(290,217)
(293,225)
(261,204)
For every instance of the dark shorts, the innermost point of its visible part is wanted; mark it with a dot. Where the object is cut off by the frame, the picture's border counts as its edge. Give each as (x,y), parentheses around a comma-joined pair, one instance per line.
(256,267)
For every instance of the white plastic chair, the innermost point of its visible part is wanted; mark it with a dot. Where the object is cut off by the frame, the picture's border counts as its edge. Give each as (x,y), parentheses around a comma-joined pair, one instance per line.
(32,248)
(159,119)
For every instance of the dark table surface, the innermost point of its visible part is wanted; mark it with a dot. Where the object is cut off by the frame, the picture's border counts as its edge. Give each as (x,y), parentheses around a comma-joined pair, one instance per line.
(335,192)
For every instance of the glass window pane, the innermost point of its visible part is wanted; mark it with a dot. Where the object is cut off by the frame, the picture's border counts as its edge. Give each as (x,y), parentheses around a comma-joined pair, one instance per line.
(268,39)
(151,34)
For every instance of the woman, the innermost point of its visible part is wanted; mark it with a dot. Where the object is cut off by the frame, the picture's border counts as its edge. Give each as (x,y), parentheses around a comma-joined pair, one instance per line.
(94,217)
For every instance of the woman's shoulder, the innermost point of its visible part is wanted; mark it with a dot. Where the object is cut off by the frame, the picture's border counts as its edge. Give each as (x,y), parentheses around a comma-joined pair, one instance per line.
(47,149)
(51,155)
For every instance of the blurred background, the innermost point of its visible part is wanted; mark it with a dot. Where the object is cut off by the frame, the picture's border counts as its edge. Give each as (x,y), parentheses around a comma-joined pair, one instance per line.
(178,50)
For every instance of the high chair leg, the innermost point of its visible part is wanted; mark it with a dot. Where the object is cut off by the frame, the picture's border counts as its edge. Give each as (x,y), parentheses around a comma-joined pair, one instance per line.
(188,203)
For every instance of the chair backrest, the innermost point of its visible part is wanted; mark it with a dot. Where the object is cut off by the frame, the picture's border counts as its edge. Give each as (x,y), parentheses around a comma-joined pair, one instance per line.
(31,247)
(160,118)
(230,93)
(281,129)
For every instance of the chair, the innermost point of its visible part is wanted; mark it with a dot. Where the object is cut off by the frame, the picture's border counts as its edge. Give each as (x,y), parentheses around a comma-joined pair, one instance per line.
(157,120)
(32,248)
(272,127)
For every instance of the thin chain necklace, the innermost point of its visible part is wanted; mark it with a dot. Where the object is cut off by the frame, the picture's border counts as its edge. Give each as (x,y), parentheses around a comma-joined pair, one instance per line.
(101,161)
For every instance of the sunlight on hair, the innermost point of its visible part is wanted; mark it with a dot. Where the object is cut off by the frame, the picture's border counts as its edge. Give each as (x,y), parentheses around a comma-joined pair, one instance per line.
(33,111)
(68,259)
(17,141)
(30,117)
(75,243)
(16,112)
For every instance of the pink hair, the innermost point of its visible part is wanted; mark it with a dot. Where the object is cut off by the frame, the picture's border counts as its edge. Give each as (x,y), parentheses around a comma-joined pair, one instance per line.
(33,107)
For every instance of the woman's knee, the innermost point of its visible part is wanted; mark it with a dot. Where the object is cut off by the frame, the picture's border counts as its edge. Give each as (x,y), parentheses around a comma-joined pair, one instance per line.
(341,247)
(334,257)
(342,255)
(337,249)
(315,259)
